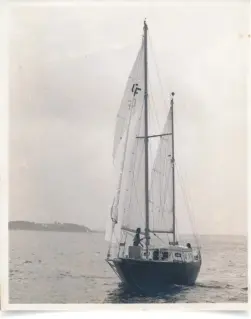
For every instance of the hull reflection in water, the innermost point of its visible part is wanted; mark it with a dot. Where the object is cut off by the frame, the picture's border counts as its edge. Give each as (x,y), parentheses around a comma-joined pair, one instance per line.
(125,294)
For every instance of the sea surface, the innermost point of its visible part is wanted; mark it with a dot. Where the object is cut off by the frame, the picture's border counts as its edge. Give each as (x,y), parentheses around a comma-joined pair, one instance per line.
(57,267)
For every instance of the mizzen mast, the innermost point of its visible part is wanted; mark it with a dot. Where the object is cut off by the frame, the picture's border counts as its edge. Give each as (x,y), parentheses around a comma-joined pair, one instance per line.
(173,171)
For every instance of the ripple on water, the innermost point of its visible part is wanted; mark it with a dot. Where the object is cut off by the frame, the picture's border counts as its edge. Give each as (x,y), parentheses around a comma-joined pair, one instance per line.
(71,268)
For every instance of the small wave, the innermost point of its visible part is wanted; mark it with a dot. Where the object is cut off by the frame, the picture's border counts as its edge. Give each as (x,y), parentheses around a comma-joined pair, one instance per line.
(13,272)
(214,285)
(68,274)
(95,277)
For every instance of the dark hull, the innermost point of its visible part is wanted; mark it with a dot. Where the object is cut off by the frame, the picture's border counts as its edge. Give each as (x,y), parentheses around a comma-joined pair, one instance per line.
(145,275)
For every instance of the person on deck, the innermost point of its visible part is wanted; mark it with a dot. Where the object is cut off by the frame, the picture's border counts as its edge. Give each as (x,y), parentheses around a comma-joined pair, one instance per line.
(137,240)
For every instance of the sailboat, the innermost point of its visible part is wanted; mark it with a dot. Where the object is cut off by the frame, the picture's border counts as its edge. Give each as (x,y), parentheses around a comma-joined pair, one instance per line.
(144,250)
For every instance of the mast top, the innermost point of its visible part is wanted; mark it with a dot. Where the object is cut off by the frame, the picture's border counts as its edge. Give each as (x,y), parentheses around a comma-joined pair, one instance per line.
(145,25)
(172,95)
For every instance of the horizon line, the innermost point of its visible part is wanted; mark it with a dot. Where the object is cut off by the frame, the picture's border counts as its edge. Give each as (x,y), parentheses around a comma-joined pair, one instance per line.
(103,230)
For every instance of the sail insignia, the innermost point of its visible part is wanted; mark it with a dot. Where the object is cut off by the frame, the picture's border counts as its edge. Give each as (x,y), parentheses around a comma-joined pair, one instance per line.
(132,99)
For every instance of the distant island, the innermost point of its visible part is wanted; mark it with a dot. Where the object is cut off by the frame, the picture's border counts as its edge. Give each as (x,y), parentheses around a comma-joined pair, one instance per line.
(58,227)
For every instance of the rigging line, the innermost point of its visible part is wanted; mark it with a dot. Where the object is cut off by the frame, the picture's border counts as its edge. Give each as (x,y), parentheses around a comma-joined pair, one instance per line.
(189,200)
(167,189)
(177,229)
(186,199)
(133,163)
(121,240)
(187,204)
(168,238)
(140,58)
(117,242)
(152,185)
(163,149)
(155,163)
(134,182)
(125,242)
(163,218)
(193,228)
(137,200)
(176,222)
(152,190)
(137,75)
(138,159)
(188,208)
(136,147)
(161,176)
(166,162)
(160,196)
(153,106)
(159,238)
(123,164)
(158,74)
(160,181)
(126,233)
(151,160)
(153,179)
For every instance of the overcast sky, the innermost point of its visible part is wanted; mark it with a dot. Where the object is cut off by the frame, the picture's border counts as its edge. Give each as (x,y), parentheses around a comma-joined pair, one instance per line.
(68,70)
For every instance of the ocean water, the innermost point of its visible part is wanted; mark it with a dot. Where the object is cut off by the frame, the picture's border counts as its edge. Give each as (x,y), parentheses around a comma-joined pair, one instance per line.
(54,267)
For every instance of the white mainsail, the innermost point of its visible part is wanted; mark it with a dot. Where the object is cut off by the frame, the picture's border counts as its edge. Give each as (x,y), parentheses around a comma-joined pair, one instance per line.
(132,99)
(134,199)
(124,200)
(126,126)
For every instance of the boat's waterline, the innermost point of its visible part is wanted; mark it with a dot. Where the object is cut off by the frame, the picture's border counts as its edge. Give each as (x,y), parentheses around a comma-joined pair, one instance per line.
(151,275)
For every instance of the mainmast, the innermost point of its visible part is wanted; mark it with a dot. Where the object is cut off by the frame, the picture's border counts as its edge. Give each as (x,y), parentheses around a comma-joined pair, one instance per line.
(173,171)
(146,142)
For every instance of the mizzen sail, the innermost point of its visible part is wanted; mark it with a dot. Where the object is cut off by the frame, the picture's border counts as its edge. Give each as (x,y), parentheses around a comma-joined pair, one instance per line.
(161,192)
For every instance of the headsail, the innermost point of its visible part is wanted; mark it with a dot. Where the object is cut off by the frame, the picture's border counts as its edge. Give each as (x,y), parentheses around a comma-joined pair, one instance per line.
(134,202)
(132,99)
(126,202)
(114,212)
(161,193)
